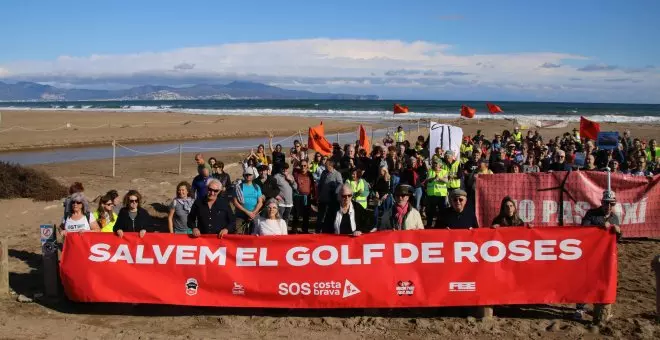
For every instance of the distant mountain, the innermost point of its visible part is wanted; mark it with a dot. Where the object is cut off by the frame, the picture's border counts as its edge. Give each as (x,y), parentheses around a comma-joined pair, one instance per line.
(25,91)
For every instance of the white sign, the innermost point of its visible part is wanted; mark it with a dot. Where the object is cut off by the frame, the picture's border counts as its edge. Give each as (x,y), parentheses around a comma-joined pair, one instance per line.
(447,137)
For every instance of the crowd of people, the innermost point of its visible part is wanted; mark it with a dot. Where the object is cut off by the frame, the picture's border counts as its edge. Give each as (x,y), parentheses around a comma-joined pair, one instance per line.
(397,185)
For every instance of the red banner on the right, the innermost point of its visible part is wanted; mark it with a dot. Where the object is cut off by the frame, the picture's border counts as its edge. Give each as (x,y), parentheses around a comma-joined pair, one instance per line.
(538,196)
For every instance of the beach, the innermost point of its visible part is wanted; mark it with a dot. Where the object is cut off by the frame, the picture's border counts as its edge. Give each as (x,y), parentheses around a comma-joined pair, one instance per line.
(156,177)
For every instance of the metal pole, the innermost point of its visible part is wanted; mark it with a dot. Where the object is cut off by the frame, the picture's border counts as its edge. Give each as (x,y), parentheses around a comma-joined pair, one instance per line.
(180,155)
(300,137)
(114,156)
(372,135)
(337,137)
(4,267)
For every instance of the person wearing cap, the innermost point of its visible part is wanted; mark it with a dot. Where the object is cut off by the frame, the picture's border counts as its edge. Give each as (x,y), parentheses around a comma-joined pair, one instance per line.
(603,217)
(436,191)
(517,135)
(456,216)
(454,171)
(402,215)
(348,218)
(248,200)
(198,186)
(267,183)
(399,135)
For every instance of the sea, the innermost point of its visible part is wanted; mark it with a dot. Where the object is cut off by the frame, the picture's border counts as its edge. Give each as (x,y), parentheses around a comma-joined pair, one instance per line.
(365,110)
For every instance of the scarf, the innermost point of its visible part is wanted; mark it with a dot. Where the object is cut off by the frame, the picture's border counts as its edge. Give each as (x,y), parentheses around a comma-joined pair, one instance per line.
(400,214)
(186,203)
(351,213)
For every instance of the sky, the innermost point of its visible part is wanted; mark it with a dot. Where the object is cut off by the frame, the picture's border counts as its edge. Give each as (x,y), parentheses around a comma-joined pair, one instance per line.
(579,50)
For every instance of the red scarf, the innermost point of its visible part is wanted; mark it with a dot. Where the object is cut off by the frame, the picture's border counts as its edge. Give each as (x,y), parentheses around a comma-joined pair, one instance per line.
(400,213)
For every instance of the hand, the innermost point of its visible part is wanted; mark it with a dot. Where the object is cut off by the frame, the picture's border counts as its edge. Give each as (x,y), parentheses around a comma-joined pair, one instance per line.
(63,233)
(142,233)
(279,198)
(607,225)
(195,232)
(252,215)
(494,226)
(120,233)
(357,233)
(222,233)
(615,229)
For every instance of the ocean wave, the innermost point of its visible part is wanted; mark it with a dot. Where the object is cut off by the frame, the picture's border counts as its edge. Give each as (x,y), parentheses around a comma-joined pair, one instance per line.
(361,115)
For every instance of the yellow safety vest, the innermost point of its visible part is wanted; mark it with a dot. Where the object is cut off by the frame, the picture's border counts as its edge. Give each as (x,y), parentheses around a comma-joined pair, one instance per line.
(312,167)
(358,187)
(436,188)
(649,157)
(517,137)
(452,170)
(466,151)
(109,226)
(399,137)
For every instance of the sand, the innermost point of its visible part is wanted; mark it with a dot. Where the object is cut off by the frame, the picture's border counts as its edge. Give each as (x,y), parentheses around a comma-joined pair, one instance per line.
(156,177)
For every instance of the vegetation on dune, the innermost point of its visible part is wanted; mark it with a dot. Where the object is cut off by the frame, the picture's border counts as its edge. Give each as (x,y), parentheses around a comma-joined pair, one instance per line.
(17,181)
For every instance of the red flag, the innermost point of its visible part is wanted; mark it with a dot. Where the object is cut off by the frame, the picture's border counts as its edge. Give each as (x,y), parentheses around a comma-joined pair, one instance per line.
(317,142)
(589,129)
(400,109)
(494,108)
(364,140)
(467,111)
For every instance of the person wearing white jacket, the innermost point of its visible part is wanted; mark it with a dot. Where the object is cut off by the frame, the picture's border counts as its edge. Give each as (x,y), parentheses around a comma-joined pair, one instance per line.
(402,215)
(272,224)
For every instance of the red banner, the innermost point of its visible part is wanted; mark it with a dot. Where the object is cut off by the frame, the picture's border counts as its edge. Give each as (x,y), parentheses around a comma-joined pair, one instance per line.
(538,195)
(378,270)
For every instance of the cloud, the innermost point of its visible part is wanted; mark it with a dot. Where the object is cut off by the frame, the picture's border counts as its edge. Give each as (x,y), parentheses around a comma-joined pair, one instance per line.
(550,65)
(640,70)
(348,65)
(184,66)
(574,79)
(598,67)
(451,17)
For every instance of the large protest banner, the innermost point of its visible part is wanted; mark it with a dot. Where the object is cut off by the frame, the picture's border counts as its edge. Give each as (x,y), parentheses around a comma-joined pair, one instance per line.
(377,270)
(538,195)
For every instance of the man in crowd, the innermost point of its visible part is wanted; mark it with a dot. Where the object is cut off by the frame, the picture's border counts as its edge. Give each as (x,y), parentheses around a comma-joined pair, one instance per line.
(454,172)
(247,201)
(328,184)
(286,185)
(199,183)
(456,216)
(302,200)
(201,163)
(267,183)
(211,214)
(560,162)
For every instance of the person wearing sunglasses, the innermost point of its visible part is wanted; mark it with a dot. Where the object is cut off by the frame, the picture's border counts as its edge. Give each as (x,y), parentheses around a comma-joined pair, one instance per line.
(248,201)
(212,214)
(456,216)
(78,217)
(403,215)
(560,163)
(351,218)
(603,217)
(105,215)
(272,224)
(132,217)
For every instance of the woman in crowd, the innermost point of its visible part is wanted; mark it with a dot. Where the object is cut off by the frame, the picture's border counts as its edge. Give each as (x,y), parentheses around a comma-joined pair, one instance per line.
(212,162)
(508,216)
(279,158)
(297,154)
(514,168)
(105,215)
(78,217)
(220,174)
(383,189)
(402,216)
(132,217)
(315,163)
(177,219)
(350,218)
(272,224)
(73,188)
(116,200)
(359,187)
(260,155)
(530,164)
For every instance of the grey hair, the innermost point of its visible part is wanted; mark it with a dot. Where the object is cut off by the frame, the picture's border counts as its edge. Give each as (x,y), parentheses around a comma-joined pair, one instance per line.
(79,196)
(272,201)
(341,190)
(214,181)
(560,153)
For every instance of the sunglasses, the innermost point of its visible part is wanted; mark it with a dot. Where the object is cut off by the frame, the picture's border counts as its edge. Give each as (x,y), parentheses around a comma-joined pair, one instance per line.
(77,202)
(214,190)
(346,196)
(109,204)
(458,199)
(611,204)
(272,208)
(133,201)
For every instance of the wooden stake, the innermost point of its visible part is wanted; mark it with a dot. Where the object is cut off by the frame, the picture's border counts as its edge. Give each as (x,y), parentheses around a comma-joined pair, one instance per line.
(180,157)
(485,312)
(114,156)
(4,267)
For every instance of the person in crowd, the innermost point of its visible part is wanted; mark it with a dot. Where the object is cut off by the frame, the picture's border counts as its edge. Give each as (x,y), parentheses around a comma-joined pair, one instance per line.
(349,160)
(327,199)
(279,158)
(198,186)
(653,152)
(412,176)
(642,168)
(436,192)
(348,218)
(272,224)
(454,171)
(560,162)
(298,153)
(388,141)
(315,163)
(76,187)
(496,145)
(105,215)
(212,162)
(304,196)
(177,219)
(514,168)
(201,163)
(399,135)
(456,216)
(132,217)
(266,182)
(251,163)
(590,163)
(466,149)
(286,185)
(603,217)
(78,217)
(319,169)
(438,156)
(260,155)
(517,135)
(248,201)
(383,189)
(627,142)
(531,165)
(220,174)
(508,216)
(392,158)
(402,216)
(212,215)
(359,187)
(614,167)
(116,199)
(377,162)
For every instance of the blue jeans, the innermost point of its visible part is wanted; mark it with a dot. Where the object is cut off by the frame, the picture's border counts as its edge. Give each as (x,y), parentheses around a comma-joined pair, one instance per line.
(418,198)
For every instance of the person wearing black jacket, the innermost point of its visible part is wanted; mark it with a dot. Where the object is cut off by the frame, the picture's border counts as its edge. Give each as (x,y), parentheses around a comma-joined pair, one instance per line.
(267,183)
(212,214)
(351,218)
(132,217)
